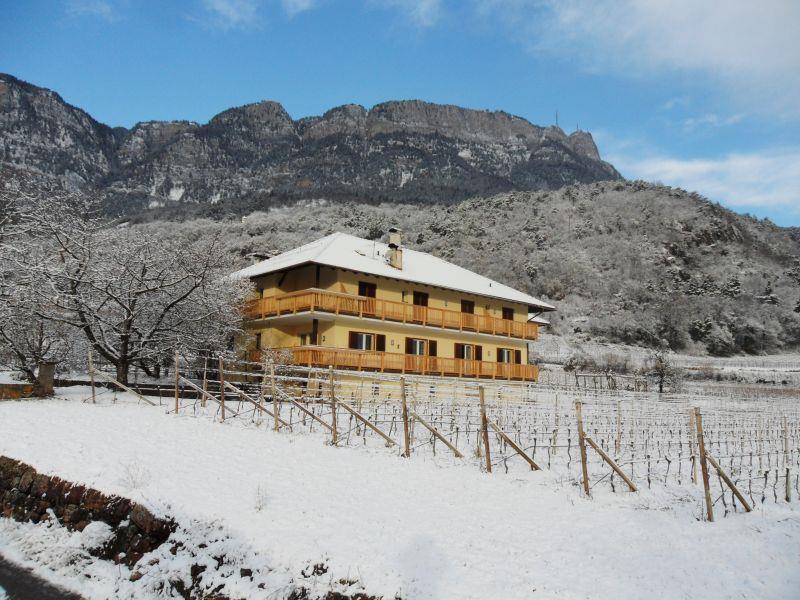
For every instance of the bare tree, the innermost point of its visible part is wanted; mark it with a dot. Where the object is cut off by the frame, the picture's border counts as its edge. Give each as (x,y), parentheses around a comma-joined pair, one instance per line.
(661,368)
(26,338)
(134,296)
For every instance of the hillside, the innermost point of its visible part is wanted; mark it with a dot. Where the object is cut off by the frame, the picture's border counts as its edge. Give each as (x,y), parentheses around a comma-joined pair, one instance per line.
(623,261)
(256,156)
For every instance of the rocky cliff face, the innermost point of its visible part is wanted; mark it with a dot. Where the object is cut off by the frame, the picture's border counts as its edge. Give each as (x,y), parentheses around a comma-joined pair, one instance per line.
(257,155)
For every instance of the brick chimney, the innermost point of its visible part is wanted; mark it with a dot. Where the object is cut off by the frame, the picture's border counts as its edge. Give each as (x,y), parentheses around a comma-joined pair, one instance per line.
(395,250)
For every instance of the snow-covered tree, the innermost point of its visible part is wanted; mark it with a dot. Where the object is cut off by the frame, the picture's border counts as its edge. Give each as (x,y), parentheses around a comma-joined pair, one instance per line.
(134,296)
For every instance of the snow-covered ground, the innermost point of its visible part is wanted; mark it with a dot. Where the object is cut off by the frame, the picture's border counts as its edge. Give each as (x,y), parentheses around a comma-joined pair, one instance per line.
(425,528)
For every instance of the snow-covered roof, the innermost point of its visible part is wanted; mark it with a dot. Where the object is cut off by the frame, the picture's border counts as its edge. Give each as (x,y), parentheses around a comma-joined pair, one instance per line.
(366,256)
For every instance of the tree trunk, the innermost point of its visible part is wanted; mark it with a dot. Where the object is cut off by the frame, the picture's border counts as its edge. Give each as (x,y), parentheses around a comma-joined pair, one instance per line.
(122,372)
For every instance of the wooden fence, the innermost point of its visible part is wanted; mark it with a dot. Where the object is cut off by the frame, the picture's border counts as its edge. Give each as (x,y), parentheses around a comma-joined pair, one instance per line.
(727,454)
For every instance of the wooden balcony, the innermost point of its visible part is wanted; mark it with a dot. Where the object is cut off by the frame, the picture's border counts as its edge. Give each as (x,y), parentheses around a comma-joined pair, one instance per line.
(361,360)
(314,300)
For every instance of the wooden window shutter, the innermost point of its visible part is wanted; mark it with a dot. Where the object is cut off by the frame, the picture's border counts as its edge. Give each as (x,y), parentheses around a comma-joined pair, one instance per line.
(431,347)
(478,352)
(518,357)
(409,345)
(380,342)
(353,341)
(459,351)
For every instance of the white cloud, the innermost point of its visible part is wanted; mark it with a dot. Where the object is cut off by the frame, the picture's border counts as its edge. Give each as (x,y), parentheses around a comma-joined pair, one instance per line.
(768,179)
(750,49)
(293,7)
(95,8)
(423,13)
(232,14)
(711,120)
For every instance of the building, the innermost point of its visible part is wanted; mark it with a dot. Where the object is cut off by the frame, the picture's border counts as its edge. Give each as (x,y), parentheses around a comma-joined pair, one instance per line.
(361,304)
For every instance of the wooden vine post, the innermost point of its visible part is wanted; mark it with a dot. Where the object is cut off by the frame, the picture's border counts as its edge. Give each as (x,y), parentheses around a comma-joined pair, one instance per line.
(275,416)
(177,378)
(786,459)
(406,431)
(618,439)
(701,444)
(582,444)
(263,390)
(222,389)
(91,377)
(485,430)
(693,444)
(205,383)
(332,398)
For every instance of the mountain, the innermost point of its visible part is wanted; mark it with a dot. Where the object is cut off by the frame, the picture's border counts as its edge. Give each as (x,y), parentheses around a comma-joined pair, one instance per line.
(255,156)
(529,206)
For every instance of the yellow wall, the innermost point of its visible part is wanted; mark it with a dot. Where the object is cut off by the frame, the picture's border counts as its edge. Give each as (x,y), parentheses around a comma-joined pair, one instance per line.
(335,334)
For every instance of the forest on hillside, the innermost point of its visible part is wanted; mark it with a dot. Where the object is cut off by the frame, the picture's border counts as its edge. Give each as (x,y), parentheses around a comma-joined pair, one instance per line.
(625,262)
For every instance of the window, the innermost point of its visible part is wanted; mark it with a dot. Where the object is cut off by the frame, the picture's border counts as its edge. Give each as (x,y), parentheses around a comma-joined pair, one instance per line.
(367,341)
(468,306)
(304,339)
(365,288)
(508,313)
(258,341)
(420,299)
(419,347)
(469,352)
(362,341)
(509,355)
(465,351)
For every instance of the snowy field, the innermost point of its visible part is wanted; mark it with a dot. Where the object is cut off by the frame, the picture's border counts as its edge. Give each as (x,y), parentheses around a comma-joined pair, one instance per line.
(428,527)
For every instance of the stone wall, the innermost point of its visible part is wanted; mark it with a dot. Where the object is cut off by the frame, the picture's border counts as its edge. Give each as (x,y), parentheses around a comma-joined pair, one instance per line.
(15,391)
(27,495)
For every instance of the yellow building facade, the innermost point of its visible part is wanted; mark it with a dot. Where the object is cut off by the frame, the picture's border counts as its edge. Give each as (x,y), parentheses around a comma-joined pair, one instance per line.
(351,303)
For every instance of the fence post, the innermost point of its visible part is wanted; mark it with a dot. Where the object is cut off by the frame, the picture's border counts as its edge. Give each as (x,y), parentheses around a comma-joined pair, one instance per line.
(177,376)
(205,383)
(693,444)
(263,391)
(91,377)
(406,433)
(334,430)
(582,444)
(786,459)
(701,444)
(485,430)
(619,429)
(222,388)
(275,417)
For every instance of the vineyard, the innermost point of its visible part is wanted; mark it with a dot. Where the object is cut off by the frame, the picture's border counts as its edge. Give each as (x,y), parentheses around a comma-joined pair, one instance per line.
(727,454)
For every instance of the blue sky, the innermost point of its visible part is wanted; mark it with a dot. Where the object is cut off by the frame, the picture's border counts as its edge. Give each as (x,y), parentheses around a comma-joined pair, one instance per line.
(703,95)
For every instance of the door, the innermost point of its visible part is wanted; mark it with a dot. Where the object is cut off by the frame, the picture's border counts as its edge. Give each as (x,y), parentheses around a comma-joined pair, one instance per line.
(468,314)
(420,306)
(367,291)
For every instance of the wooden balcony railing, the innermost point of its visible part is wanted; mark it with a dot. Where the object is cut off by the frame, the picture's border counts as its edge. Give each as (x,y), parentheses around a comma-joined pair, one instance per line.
(387,310)
(361,360)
